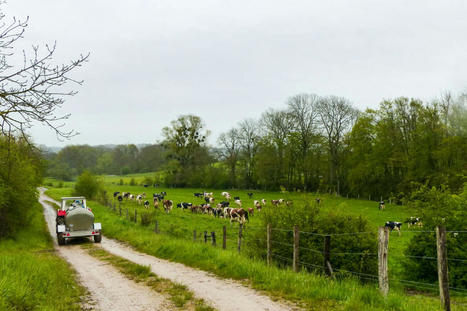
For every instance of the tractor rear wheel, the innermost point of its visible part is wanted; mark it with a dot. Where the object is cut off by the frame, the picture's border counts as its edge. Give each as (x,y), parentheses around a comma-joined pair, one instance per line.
(97,238)
(60,240)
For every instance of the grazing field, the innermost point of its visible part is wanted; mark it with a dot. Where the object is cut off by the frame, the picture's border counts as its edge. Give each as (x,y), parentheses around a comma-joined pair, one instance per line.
(308,288)
(32,277)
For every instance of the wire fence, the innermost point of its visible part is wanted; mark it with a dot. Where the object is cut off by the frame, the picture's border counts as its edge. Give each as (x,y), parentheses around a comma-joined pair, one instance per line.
(230,238)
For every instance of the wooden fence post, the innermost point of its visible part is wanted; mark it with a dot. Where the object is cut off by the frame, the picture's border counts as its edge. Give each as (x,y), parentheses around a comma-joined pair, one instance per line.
(127,215)
(213,238)
(327,254)
(268,242)
(194,235)
(224,237)
(136,214)
(120,211)
(205,236)
(443,279)
(239,246)
(383,242)
(156,228)
(296,240)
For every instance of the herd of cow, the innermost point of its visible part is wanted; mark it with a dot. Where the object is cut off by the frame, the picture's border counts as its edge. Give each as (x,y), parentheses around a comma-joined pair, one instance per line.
(224,210)
(220,210)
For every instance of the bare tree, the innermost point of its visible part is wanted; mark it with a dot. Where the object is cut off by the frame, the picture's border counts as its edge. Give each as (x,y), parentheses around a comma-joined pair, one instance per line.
(278,125)
(337,116)
(248,139)
(34,91)
(302,109)
(231,150)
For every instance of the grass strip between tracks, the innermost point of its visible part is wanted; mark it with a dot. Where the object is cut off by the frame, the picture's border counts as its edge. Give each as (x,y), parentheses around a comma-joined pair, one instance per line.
(179,294)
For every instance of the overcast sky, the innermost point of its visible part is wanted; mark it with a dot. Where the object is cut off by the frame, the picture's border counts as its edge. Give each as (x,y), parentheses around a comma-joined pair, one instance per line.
(225,61)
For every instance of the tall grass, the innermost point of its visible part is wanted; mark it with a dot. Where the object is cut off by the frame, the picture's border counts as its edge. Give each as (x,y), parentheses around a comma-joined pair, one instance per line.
(32,276)
(314,291)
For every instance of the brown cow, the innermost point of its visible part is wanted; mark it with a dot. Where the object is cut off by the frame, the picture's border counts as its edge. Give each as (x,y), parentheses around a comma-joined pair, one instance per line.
(168,204)
(251,211)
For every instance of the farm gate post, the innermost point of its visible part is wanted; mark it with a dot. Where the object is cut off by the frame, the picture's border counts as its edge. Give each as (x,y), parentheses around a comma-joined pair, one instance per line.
(383,242)
(224,237)
(136,219)
(239,246)
(156,227)
(127,215)
(296,240)
(443,279)
(327,255)
(268,242)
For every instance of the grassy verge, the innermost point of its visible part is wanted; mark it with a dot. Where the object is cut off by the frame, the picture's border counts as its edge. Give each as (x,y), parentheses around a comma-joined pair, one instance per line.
(179,294)
(32,277)
(313,291)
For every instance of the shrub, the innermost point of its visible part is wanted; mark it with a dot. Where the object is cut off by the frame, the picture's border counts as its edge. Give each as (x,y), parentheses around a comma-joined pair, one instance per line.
(146,219)
(315,225)
(87,185)
(121,183)
(132,182)
(438,207)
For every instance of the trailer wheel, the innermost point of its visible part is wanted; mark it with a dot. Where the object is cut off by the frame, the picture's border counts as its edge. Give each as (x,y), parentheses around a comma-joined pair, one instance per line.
(60,240)
(97,238)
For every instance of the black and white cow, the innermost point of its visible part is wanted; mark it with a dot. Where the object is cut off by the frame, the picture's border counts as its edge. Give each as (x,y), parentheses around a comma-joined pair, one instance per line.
(394,225)
(146,204)
(412,221)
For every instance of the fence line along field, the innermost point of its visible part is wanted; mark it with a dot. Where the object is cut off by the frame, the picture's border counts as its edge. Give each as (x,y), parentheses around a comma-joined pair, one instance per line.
(183,224)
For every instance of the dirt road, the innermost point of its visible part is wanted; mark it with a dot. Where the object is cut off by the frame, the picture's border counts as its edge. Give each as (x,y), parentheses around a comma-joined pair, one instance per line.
(108,289)
(222,294)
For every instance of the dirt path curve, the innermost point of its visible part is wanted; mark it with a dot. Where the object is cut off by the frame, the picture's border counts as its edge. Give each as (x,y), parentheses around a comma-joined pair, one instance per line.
(109,289)
(222,294)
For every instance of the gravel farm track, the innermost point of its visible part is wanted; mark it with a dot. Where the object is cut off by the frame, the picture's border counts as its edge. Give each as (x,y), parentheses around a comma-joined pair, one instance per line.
(110,290)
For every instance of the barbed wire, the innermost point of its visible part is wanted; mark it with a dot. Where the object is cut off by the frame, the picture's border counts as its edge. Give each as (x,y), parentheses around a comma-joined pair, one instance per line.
(435,258)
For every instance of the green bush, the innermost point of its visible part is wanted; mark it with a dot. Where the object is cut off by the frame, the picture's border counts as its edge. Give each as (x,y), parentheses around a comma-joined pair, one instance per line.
(132,182)
(87,185)
(315,224)
(438,207)
(20,175)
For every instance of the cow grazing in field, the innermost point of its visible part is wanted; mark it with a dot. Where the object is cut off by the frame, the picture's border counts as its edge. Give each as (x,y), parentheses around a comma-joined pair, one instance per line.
(198,194)
(263,202)
(225,203)
(146,204)
(275,202)
(120,198)
(250,194)
(257,205)
(139,198)
(131,197)
(116,193)
(236,198)
(168,204)
(289,203)
(251,211)
(208,194)
(412,221)
(208,200)
(381,205)
(238,202)
(126,195)
(145,186)
(239,214)
(157,196)
(225,194)
(218,212)
(156,203)
(318,201)
(164,193)
(227,211)
(281,201)
(394,225)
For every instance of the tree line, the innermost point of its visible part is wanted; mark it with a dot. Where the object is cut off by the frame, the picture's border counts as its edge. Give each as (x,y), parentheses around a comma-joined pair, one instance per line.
(315,143)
